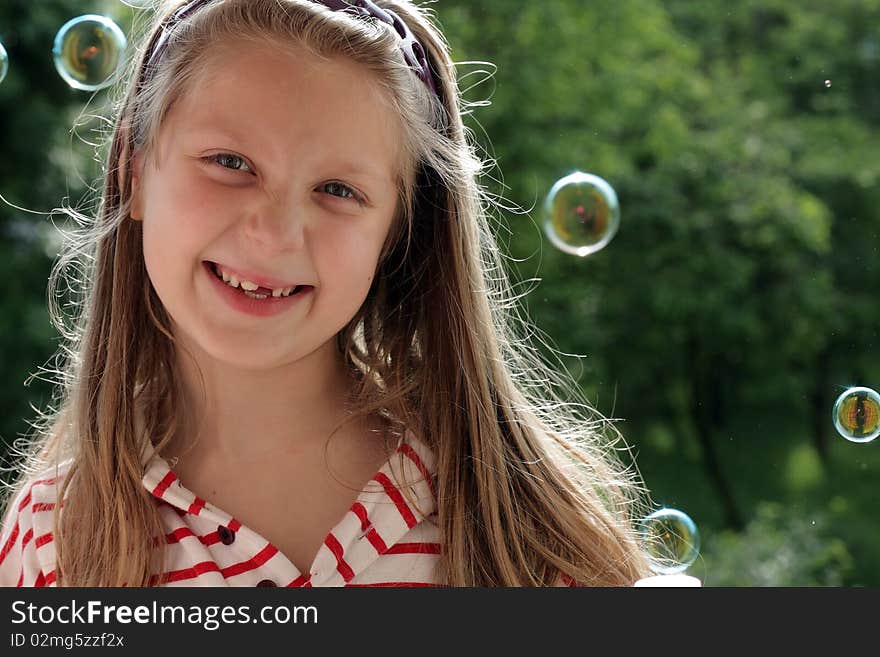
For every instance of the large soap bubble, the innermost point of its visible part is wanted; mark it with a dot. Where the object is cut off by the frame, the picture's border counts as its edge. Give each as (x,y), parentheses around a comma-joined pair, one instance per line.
(581,214)
(670,540)
(4,62)
(88,52)
(857,415)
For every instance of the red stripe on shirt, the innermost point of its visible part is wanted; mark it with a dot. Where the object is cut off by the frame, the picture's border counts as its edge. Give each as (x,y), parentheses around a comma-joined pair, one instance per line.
(376,541)
(189,573)
(359,510)
(42,540)
(196,507)
(302,580)
(369,531)
(207,539)
(394,584)
(27,500)
(209,566)
(414,548)
(50,578)
(28,535)
(392,492)
(9,542)
(343,568)
(414,457)
(568,580)
(41,581)
(255,561)
(163,485)
(178,534)
(42,506)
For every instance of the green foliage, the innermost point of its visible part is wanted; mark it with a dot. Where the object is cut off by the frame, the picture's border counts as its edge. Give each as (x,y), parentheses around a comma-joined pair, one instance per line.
(48,159)
(781,546)
(735,302)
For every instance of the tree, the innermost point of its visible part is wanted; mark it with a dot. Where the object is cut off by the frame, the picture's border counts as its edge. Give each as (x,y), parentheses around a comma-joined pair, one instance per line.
(46,148)
(721,290)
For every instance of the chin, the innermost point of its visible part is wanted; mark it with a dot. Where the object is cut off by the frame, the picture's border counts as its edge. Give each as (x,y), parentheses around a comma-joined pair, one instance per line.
(253,360)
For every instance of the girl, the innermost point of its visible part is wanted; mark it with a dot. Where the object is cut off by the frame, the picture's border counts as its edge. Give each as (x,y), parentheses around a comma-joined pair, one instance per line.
(297,360)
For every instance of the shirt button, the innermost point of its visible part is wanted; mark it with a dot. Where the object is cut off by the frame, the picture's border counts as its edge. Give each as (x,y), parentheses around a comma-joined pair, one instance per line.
(227,536)
(266,582)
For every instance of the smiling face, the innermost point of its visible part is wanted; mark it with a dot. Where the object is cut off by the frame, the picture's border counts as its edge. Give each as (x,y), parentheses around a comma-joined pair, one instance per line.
(280,168)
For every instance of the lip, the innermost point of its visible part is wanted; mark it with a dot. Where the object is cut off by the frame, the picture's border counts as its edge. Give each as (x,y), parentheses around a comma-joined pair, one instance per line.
(259,279)
(256,307)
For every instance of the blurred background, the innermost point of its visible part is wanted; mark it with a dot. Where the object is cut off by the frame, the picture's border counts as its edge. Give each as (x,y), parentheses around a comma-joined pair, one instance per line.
(736,302)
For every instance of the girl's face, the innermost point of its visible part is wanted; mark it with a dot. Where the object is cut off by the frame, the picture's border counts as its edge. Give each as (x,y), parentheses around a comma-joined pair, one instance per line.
(281,170)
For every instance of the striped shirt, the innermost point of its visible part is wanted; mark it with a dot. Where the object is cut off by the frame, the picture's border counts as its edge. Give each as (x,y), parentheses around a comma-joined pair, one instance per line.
(385,539)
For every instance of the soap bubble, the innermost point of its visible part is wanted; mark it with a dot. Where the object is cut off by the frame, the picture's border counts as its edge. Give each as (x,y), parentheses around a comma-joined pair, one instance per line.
(88,51)
(4,62)
(670,540)
(581,214)
(857,415)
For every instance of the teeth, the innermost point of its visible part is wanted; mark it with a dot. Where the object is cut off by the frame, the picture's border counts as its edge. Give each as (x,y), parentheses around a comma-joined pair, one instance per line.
(248,287)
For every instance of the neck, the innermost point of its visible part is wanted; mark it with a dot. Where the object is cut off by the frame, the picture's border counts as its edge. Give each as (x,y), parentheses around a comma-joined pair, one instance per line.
(245,416)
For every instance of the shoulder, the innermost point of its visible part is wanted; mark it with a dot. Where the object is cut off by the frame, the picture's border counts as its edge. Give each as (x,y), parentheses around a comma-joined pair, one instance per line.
(27,553)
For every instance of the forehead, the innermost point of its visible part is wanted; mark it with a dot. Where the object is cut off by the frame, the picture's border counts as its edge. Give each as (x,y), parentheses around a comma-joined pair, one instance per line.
(277,99)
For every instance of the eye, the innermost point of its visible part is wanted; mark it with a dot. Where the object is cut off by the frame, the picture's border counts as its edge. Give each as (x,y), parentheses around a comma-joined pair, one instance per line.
(345,192)
(229,161)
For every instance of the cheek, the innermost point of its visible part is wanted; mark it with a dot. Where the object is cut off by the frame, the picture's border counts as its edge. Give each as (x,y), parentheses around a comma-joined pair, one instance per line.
(347,263)
(163,261)
(181,216)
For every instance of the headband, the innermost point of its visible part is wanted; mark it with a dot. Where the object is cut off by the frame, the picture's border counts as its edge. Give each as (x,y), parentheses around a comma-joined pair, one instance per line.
(413,52)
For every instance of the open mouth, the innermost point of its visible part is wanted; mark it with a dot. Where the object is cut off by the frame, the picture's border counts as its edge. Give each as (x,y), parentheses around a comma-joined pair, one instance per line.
(260,293)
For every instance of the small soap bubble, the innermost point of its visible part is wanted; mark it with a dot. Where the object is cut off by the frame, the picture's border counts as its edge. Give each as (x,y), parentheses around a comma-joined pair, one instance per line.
(581,214)
(670,540)
(88,52)
(4,62)
(827,83)
(857,415)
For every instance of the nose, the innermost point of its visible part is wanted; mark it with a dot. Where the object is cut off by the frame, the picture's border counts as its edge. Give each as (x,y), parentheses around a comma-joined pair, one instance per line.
(276,225)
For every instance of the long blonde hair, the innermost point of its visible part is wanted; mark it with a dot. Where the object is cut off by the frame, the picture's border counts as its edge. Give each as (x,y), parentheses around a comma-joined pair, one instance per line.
(530,485)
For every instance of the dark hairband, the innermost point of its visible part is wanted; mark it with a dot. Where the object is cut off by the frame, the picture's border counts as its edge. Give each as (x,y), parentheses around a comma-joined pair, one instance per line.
(413,52)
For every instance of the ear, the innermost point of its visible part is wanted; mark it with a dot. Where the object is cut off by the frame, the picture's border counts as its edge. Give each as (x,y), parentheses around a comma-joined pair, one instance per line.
(137,203)
(136,164)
